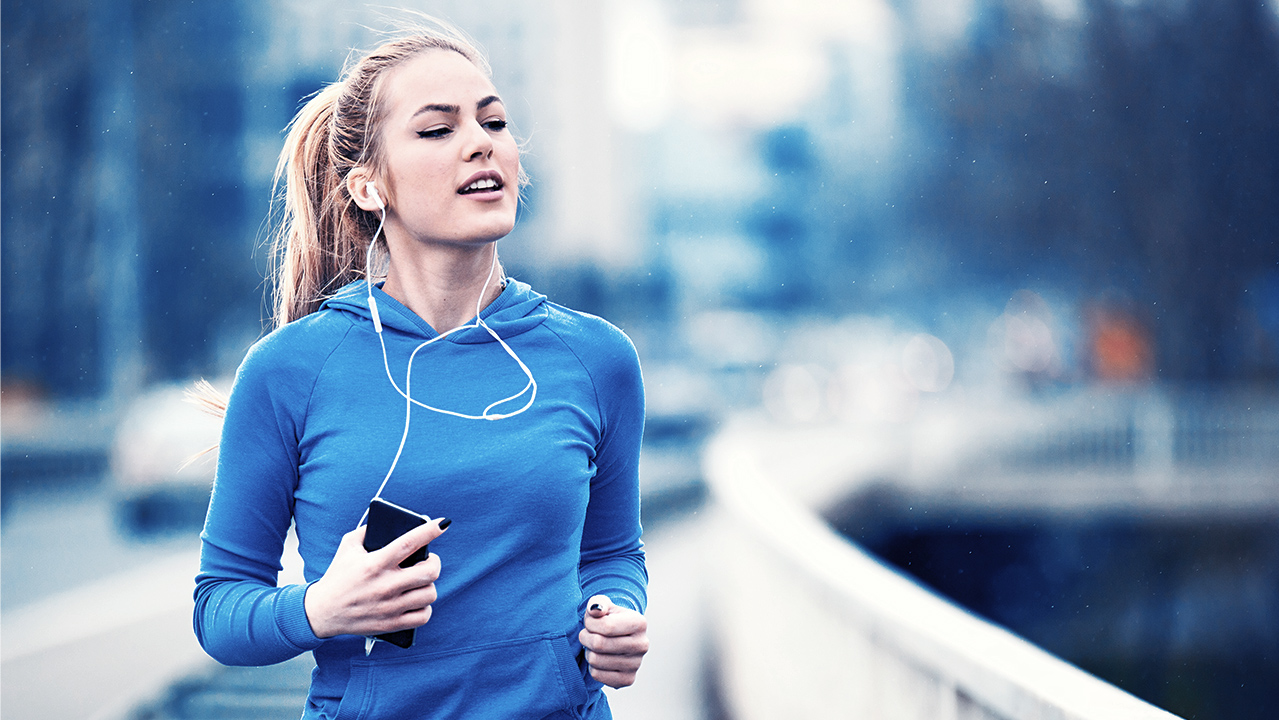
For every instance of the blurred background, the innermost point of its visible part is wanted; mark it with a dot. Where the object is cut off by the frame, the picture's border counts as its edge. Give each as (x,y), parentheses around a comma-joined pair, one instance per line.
(869,212)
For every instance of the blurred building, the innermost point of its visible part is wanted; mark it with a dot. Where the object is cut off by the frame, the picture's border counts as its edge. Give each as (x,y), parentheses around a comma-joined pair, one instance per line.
(923,160)
(125,213)
(140,140)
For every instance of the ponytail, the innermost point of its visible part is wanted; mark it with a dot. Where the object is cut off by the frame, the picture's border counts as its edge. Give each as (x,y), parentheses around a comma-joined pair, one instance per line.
(323,235)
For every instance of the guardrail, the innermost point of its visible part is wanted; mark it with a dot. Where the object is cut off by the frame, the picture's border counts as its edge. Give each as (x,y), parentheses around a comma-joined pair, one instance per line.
(805,624)
(1152,430)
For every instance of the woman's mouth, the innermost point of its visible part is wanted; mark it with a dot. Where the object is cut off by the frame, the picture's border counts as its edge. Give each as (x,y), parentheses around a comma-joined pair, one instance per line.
(483,183)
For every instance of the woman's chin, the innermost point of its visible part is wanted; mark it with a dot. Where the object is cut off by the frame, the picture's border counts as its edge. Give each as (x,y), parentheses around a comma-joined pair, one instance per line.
(493,231)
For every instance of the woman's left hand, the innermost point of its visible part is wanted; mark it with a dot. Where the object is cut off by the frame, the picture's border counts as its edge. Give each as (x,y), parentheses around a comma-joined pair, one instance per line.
(615,639)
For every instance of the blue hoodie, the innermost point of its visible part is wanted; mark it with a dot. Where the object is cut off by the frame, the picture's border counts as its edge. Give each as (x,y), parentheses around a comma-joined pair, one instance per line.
(545,504)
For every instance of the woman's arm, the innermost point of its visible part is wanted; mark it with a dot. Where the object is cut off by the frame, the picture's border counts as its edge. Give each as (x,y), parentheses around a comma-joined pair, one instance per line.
(241,617)
(613,575)
(614,583)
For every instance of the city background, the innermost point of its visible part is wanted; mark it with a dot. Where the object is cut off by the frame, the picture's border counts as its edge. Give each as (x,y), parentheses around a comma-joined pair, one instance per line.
(812,213)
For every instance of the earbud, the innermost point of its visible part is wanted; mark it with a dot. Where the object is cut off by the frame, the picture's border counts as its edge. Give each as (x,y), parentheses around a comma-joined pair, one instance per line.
(371,188)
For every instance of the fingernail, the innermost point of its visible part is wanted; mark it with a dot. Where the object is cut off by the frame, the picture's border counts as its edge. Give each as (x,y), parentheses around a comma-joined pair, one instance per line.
(596,606)
(444,524)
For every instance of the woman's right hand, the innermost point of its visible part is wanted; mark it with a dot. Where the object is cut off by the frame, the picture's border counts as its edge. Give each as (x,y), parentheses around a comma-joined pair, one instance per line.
(368,593)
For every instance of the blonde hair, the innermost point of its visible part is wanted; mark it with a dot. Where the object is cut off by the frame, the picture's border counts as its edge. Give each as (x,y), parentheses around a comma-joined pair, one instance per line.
(323,236)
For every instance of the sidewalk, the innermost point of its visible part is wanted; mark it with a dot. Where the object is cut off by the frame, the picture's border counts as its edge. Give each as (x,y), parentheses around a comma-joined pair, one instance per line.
(123,649)
(671,684)
(97,651)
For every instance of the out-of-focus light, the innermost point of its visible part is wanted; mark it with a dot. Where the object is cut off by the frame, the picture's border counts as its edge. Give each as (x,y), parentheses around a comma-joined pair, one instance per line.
(722,78)
(927,363)
(941,23)
(794,393)
(1120,346)
(1024,336)
(1028,343)
(730,338)
(1066,10)
(873,393)
(863,22)
(639,64)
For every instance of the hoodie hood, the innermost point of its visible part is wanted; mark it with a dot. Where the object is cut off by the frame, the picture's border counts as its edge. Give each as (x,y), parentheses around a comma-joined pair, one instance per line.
(516,310)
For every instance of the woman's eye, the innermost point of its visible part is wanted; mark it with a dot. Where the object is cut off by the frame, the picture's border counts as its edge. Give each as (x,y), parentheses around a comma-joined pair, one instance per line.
(495,125)
(434,132)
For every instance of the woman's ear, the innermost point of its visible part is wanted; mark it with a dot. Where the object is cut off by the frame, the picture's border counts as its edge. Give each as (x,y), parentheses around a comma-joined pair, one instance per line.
(364,190)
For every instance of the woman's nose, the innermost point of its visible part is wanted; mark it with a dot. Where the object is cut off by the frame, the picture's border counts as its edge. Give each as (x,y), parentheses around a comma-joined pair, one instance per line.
(478,143)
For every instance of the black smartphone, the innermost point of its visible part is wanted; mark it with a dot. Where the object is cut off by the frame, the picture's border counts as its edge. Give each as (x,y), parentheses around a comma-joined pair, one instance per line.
(388,521)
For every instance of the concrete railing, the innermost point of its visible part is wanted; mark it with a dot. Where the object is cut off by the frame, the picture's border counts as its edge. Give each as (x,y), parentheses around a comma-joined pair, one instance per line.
(807,625)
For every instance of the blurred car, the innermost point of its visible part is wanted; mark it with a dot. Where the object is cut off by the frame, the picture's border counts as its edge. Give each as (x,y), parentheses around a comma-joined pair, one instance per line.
(163,460)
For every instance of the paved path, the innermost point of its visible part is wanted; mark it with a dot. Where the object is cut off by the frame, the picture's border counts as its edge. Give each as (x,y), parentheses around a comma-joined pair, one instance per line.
(671,684)
(121,648)
(98,650)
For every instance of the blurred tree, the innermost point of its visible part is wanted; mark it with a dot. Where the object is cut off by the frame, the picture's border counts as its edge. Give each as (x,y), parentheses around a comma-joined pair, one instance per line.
(122,138)
(1134,148)
(195,219)
(49,325)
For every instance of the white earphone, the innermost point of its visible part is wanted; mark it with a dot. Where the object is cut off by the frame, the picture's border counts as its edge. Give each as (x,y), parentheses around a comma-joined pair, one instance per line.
(371,188)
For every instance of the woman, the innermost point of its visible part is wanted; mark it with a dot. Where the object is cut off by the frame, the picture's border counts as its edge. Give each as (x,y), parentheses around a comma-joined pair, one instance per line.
(521,425)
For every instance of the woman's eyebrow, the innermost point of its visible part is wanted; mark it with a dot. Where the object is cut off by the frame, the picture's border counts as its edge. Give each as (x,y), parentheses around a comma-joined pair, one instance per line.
(437,107)
(454,109)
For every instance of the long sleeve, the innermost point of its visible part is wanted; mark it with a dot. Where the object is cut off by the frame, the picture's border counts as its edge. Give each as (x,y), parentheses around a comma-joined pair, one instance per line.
(612,561)
(241,617)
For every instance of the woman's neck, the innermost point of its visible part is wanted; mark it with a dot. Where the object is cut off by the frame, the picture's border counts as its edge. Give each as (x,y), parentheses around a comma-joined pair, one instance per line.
(443,287)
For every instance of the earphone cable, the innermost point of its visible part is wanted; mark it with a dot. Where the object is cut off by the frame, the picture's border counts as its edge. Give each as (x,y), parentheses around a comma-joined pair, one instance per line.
(406,392)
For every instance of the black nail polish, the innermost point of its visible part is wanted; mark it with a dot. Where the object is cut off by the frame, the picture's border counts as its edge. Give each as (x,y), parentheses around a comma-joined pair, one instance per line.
(445,523)
(596,606)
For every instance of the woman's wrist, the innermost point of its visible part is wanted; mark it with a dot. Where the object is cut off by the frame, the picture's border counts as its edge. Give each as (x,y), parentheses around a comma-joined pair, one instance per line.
(316,614)
(291,618)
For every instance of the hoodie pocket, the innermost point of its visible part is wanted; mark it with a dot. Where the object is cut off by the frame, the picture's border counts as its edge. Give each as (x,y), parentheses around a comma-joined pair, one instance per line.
(524,678)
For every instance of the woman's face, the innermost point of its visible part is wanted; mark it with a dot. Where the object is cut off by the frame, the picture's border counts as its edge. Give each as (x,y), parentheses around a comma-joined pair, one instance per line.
(450,163)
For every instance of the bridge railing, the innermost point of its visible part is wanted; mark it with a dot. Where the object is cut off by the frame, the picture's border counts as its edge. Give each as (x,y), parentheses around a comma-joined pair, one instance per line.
(1152,430)
(807,625)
